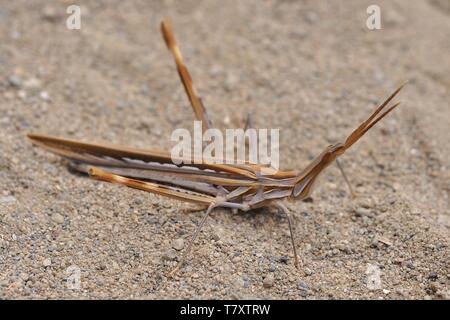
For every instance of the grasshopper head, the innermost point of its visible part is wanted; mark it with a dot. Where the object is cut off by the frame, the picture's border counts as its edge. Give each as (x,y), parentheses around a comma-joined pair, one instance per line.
(307,177)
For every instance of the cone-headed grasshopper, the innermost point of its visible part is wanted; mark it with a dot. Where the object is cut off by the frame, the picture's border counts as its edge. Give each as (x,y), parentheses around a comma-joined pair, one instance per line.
(242,186)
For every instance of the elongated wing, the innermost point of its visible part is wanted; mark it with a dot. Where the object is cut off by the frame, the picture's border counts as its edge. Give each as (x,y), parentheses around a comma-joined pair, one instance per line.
(120,156)
(155,167)
(115,155)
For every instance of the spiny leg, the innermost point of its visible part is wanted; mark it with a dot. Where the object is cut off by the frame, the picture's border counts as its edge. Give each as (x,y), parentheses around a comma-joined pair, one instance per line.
(195,101)
(345,178)
(285,210)
(191,242)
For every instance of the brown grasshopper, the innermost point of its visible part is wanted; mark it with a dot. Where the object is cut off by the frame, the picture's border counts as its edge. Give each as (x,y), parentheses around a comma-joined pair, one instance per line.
(239,186)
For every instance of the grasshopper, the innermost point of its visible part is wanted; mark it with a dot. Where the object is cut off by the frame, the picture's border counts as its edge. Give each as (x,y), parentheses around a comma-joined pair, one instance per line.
(241,187)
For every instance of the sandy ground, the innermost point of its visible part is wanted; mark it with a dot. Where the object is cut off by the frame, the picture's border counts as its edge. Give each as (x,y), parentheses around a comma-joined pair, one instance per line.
(311,68)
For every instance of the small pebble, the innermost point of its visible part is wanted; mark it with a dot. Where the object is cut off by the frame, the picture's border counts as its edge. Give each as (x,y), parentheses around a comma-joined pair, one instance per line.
(44,95)
(178,244)
(268,281)
(47,262)
(58,218)
(170,255)
(215,237)
(246,282)
(362,212)
(15,81)
(284,259)
(303,285)
(433,276)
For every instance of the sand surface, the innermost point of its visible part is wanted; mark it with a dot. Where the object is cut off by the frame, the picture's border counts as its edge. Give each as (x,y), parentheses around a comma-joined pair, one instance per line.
(310,68)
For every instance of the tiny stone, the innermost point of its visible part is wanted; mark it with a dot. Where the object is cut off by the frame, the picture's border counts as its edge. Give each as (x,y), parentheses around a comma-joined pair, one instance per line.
(44,95)
(308,200)
(390,199)
(268,281)
(215,237)
(362,212)
(15,81)
(246,282)
(272,268)
(374,243)
(308,271)
(170,255)
(385,291)
(303,285)
(284,259)
(178,244)
(47,262)
(433,276)
(58,218)
(365,203)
